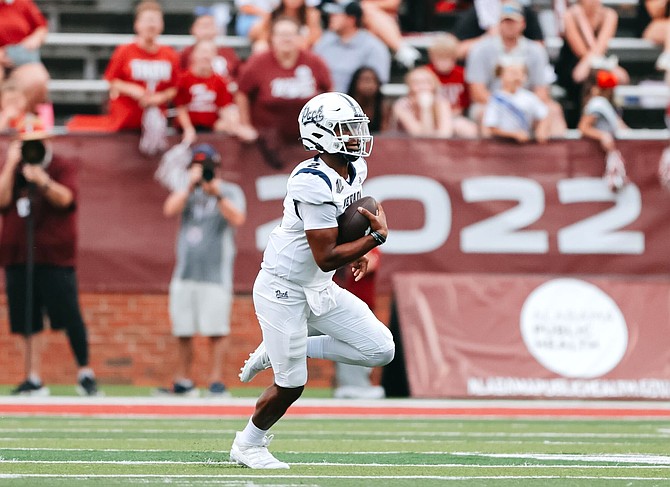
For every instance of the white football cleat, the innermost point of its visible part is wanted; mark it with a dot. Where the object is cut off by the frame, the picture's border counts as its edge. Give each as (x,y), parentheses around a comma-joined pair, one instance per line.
(255,456)
(257,362)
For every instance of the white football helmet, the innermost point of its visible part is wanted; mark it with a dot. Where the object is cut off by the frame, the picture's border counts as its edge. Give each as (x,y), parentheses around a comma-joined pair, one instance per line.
(330,120)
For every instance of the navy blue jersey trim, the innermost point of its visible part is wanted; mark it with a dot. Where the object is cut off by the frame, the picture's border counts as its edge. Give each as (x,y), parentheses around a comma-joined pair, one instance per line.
(351,169)
(297,213)
(316,172)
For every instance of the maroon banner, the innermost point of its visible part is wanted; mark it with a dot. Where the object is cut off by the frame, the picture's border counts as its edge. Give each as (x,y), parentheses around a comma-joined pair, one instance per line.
(521,336)
(452,206)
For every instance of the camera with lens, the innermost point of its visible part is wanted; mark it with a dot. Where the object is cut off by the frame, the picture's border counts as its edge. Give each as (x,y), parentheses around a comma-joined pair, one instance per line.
(208,158)
(33,152)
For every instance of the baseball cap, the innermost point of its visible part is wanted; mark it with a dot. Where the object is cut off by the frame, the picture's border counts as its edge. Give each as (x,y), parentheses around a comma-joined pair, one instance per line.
(352,9)
(204,152)
(606,79)
(511,10)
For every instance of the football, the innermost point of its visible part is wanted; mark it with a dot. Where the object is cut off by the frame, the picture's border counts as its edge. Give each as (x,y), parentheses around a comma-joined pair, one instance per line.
(352,225)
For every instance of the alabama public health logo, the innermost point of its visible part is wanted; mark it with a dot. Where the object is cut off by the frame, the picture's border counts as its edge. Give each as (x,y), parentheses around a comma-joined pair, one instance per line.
(574,329)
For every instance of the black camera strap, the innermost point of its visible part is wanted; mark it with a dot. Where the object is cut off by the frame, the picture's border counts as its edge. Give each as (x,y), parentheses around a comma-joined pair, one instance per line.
(30,269)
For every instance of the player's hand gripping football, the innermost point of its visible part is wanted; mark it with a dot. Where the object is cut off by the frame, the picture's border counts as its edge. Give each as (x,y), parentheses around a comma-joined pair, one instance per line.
(378,221)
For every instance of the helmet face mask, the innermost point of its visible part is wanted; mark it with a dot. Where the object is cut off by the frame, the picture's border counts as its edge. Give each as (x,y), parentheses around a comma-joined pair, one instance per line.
(335,123)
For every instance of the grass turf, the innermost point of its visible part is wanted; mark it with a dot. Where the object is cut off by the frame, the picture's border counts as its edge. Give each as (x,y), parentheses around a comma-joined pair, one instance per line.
(394,452)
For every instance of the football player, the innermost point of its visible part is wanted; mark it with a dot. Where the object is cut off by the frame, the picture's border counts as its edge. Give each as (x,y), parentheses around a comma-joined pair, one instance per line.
(294,287)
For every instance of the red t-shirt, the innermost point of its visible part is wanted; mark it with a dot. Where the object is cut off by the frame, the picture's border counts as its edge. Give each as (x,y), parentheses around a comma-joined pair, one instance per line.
(454,87)
(18,20)
(226,64)
(55,228)
(157,71)
(203,97)
(277,94)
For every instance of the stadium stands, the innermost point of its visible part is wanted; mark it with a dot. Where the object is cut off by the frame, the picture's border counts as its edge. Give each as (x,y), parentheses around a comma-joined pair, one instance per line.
(85,32)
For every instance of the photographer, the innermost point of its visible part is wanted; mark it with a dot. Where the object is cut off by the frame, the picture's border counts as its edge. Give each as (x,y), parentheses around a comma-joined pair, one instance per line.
(201,290)
(38,200)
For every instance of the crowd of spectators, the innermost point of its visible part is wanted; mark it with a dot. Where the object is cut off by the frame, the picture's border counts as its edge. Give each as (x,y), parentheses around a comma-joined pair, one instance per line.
(211,88)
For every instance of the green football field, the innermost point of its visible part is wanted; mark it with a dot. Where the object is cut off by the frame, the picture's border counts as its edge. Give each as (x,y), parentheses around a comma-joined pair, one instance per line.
(89,451)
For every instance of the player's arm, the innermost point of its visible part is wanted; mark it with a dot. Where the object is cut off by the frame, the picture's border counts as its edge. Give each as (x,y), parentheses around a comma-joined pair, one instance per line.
(330,256)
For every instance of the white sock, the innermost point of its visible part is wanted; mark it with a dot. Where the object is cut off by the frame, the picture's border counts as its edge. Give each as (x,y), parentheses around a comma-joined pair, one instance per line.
(315,347)
(85,372)
(252,435)
(329,348)
(35,379)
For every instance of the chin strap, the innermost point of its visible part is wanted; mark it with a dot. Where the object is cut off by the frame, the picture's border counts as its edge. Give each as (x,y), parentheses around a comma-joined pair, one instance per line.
(348,157)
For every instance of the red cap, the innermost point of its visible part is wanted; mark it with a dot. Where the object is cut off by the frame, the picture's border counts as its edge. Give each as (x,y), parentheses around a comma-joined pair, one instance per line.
(606,79)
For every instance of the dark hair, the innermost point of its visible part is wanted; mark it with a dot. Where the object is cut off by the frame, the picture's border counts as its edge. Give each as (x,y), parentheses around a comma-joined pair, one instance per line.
(376,118)
(280,11)
(592,82)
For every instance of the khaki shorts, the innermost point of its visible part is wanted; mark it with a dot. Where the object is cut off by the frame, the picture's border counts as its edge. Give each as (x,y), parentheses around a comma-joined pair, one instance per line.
(199,308)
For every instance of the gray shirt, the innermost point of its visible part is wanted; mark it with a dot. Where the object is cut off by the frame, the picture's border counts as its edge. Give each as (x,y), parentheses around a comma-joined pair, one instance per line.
(480,65)
(607,119)
(343,58)
(205,242)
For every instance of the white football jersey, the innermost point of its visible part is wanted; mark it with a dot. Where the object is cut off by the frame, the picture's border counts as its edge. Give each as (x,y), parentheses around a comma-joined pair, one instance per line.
(316,184)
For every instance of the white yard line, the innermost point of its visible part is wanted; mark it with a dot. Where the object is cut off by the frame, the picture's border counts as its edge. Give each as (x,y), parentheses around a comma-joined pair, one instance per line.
(623,458)
(335,464)
(211,478)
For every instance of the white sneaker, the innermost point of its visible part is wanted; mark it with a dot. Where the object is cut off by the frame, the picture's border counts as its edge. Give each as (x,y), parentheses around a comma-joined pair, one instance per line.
(254,456)
(407,55)
(257,362)
(359,392)
(663,61)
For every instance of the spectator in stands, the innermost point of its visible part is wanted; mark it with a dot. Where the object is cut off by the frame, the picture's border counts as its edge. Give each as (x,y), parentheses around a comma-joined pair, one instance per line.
(251,12)
(203,100)
(353,381)
(35,178)
(483,18)
(23,30)
(366,89)
(484,56)
(380,17)
(658,29)
(443,54)
(226,62)
(13,105)
(141,75)
(424,112)
(201,290)
(512,111)
(303,11)
(589,26)
(345,47)
(656,15)
(274,85)
(601,122)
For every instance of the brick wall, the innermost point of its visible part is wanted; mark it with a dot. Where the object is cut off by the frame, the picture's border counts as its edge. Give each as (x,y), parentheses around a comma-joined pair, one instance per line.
(131,343)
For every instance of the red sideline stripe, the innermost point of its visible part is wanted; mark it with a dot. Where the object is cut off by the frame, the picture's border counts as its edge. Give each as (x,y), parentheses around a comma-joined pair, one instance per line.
(322,410)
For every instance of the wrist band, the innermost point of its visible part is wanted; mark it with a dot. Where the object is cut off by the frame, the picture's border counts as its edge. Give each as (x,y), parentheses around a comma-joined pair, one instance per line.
(379,238)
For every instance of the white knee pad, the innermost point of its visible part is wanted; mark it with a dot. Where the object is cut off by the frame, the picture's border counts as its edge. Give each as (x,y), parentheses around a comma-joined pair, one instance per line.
(294,373)
(382,358)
